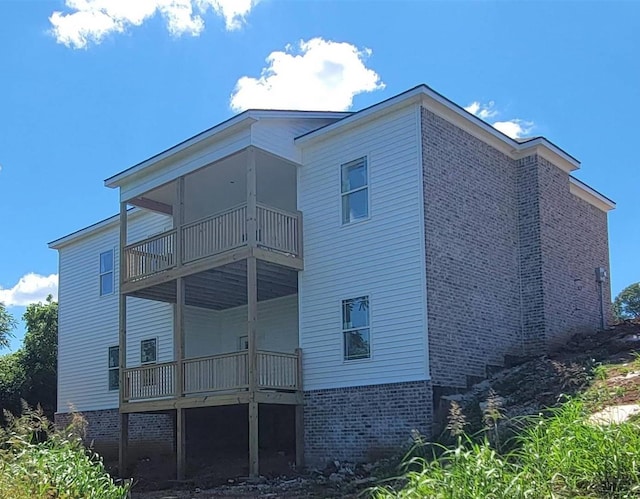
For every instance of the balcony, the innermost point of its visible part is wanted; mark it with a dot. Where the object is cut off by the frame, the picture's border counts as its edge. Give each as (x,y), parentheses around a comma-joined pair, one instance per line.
(277,231)
(217,374)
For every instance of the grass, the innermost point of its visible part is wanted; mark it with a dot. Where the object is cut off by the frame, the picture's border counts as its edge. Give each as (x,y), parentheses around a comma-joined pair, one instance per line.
(560,455)
(36,462)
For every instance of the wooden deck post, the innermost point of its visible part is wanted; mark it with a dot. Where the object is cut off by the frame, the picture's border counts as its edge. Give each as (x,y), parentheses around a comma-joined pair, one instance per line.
(181,455)
(122,342)
(299,415)
(123,463)
(252,311)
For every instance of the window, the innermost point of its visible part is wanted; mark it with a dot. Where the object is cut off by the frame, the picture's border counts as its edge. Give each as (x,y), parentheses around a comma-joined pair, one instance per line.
(243,343)
(106,273)
(354,191)
(355,328)
(148,351)
(114,368)
(148,355)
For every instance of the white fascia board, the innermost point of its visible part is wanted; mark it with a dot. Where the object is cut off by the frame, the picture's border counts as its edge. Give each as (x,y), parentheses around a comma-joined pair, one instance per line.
(360,117)
(219,131)
(239,121)
(590,195)
(92,229)
(457,115)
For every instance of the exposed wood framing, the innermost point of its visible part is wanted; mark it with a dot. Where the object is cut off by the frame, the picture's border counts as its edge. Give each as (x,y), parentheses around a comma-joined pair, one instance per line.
(122,343)
(181,457)
(123,448)
(152,205)
(252,312)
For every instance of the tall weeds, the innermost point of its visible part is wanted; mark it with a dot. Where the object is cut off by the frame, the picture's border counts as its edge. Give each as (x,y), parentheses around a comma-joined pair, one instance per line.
(559,455)
(38,462)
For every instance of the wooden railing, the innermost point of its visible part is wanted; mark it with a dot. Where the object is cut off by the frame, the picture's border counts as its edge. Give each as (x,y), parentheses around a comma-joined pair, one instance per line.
(214,234)
(150,381)
(278,371)
(151,255)
(279,230)
(217,373)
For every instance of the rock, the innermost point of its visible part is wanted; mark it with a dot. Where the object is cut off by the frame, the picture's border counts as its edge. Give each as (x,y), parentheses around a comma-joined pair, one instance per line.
(335,478)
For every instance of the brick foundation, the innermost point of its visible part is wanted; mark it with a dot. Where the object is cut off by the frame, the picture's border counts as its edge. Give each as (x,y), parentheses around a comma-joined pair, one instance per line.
(366,422)
(149,434)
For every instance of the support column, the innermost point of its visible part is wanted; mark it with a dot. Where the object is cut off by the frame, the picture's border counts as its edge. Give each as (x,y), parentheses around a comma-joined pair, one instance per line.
(178,336)
(181,454)
(252,312)
(123,448)
(299,419)
(122,343)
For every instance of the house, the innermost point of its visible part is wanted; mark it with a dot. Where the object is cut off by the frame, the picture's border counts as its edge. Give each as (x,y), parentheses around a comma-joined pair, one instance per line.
(310,283)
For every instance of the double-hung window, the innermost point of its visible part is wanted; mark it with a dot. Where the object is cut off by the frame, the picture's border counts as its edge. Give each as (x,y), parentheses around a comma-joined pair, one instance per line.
(114,368)
(355,328)
(106,273)
(148,355)
(354,180)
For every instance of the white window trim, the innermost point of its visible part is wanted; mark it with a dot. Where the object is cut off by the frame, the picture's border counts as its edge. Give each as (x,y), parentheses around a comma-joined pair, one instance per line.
(343,331)
(116,368)
(112,272)
(367,186)
(155,338)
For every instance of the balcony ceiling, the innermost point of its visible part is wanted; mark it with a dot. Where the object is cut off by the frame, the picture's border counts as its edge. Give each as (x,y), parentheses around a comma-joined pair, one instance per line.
(226,287)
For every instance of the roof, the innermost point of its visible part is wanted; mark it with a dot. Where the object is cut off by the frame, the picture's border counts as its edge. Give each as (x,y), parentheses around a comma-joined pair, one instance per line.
(246,118)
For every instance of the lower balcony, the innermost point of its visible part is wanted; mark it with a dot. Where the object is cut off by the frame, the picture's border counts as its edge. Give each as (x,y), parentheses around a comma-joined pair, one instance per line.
(222,374)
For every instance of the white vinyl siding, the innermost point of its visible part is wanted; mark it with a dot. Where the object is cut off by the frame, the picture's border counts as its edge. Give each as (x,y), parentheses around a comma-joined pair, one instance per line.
(88,322)
(277,135)
(381,257)
(210,332)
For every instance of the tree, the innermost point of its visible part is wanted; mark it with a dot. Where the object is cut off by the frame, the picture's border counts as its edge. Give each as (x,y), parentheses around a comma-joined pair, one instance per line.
(39,355)
(7,323)
(627,303)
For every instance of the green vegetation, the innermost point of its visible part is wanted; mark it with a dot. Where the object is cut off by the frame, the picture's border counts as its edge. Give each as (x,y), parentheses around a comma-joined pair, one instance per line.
(560,455)
(7,324)
(37,462)
(30,373)
(627,303)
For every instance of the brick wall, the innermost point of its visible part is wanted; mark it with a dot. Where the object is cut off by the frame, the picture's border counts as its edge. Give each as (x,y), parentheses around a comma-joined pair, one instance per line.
(574,241)
(148,433)
(472,255)
(364,422)
(510,254)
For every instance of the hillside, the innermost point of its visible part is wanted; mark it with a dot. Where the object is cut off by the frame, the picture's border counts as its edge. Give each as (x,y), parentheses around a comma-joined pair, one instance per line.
(602,370)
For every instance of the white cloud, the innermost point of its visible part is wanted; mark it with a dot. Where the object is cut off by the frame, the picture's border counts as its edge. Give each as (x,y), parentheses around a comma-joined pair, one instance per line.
(482,111)
(514,128)
(91,20)
(318,74)
(31,288)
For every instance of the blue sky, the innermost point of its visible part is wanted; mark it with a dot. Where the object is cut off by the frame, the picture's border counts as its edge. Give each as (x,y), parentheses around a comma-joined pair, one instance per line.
(104,84)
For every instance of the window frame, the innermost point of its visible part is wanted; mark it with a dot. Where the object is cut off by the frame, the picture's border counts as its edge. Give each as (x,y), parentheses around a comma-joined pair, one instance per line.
(111,368)
(366,187)
(149,362)
(344,331)
(111,272)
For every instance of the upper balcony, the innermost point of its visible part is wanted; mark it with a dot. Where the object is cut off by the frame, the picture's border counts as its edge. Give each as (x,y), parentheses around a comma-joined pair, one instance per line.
(242,205)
